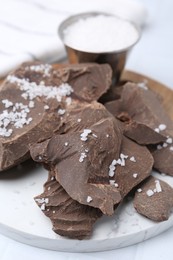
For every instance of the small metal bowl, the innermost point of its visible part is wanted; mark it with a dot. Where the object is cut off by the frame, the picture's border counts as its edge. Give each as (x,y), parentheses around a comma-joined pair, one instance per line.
(116,59)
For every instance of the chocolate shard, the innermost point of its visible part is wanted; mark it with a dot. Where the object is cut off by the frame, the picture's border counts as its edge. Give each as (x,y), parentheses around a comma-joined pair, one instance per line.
(34,98)
(134,166)
(81,159)
(81,115)
(155,199)
(163,157)
(140,109)
(89,80)
(69,218)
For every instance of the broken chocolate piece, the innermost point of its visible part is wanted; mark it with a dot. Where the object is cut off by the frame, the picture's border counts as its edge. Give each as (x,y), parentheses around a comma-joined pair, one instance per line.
(134,168)
(81,159)
(21,126)
(163,157)
(143,115)
(80,115)
(155,199)
(34,98)
(69,218)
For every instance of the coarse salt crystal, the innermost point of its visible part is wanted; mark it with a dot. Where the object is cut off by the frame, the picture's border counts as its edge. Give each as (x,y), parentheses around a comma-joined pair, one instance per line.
(43,68)
(123,156)
(42,200)
(87,131)
(157,130)
(139,190)
(85,134)
(83,138)
(158,186)
(119,161)
(143,85)
(112,168)
(162,127)
(46,200)
(169,140)
(149,193)
(123,162)
(31,104)
(46,107)
(42,83)
(43,206)
(7,103)
(61,111)
(132,159)
(40,158)
(114,162)
(159,147)
(79,120)
(165,145)
(112,182)
(171,148)
(82,156)
(66,144)
(135,175)
(107,135)
(68,101)
(89,199)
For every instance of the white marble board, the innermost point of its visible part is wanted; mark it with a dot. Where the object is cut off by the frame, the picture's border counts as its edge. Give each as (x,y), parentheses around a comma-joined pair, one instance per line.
(22,220)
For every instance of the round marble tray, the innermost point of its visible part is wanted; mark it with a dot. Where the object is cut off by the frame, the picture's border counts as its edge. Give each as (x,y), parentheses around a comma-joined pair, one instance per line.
(22,220)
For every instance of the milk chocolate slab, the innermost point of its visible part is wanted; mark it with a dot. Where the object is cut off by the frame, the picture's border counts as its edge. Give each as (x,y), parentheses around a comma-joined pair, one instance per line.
(81,162)
(146,122)
(136,168)
(155,201)
(69,218)
(33,99)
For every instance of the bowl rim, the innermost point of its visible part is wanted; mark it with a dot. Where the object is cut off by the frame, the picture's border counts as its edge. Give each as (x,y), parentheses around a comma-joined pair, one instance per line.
(74,18)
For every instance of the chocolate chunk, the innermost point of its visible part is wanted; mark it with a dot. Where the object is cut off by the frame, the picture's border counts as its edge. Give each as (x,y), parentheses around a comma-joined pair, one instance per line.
(81,159)
(163,157)
(134,168)
(80,115)
(34,98)
(90,80)
(69,218)
(155,200)
(20,131)
(140,109)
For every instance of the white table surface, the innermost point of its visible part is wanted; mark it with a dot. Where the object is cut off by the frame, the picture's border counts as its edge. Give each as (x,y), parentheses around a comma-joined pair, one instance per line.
(152,56)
